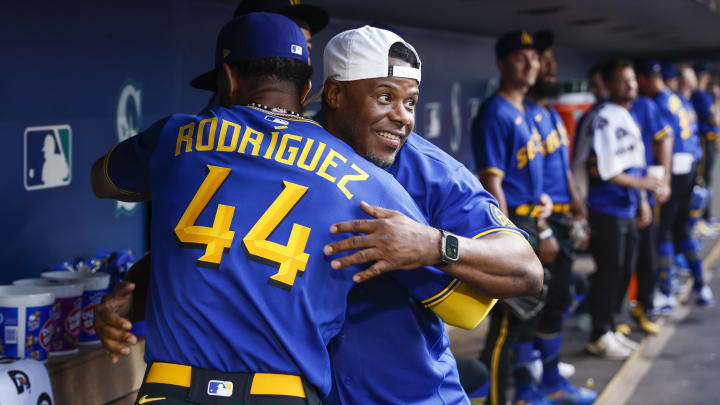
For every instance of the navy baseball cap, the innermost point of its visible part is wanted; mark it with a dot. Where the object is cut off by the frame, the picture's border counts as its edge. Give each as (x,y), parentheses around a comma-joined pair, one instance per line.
(544,40)
(648,67)
(513,41)
(307,16)
(668,71)
(255,36)
(700,68)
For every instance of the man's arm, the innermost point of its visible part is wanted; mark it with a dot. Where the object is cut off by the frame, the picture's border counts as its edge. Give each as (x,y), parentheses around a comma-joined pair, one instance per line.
(664,154)
(639,183)
(103,187)
(493,184)
(579,210)
(395,242)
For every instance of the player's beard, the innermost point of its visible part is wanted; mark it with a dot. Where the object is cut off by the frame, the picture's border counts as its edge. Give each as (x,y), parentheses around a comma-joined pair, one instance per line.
(382,162)
(545,89)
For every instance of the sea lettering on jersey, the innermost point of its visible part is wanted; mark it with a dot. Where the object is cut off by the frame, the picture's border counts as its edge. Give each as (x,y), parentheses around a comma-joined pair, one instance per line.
(282,148)
(533,149)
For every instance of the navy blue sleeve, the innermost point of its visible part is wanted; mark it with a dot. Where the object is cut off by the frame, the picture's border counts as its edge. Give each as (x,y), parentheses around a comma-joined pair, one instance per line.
(126,165)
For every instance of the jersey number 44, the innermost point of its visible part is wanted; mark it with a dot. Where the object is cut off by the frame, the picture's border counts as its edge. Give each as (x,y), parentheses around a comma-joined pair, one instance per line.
(290,257)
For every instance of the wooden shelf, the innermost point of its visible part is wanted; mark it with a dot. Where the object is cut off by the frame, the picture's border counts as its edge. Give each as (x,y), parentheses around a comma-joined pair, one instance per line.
(90,378)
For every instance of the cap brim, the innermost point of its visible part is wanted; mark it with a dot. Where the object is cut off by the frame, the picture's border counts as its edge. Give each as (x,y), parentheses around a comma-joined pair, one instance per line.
(205,81)
(316,17)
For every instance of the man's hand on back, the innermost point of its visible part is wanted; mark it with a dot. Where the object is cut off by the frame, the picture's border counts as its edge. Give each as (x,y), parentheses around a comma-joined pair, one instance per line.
(111,324)
(391,240)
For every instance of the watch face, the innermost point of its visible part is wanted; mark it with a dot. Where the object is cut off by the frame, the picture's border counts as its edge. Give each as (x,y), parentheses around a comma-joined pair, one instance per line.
(451,247)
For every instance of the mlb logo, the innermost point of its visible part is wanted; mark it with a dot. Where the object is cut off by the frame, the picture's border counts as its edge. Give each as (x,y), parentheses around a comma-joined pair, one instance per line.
(218,388)
(48,157)
(296,49)
(275,120)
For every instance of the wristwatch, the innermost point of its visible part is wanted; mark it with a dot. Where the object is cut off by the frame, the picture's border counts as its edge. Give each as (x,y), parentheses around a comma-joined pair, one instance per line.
(449,246)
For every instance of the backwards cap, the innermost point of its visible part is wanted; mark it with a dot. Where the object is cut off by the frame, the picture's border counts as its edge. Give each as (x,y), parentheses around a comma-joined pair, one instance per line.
(362,53)
(255,36)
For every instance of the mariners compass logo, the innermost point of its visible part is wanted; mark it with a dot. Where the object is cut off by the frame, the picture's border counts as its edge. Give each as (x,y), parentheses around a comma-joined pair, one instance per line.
(128,121)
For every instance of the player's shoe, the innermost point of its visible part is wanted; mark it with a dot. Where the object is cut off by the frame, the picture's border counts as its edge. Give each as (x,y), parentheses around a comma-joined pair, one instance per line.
(664,304)
(566,370)
(630,344)
(530,397)
(609,347)
(703,298)
(623,328)
(645,321)
(562,392)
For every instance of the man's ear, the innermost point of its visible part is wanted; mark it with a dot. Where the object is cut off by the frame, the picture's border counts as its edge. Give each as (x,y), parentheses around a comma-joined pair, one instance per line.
(334,93)
(306,91)
(228,80)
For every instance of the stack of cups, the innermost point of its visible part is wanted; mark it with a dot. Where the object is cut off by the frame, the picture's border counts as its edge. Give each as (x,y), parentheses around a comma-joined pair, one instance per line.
(65,314)
(95,287)
(25,324)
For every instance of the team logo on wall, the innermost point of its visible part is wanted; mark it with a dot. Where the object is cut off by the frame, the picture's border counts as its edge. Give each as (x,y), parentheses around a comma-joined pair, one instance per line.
(48,157)
(128,119)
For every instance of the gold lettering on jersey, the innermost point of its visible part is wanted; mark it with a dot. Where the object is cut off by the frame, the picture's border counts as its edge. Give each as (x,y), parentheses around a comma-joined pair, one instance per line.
(221,146)
(330,161)
(210,145)
(273,142)
(316,158)
(252,137)
(185,134)
(360,176)
(533,149)
(555,140)
(288,149)
(292,150)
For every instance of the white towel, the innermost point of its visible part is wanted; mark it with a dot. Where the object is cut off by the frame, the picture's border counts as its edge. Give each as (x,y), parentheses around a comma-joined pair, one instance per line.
(617,141)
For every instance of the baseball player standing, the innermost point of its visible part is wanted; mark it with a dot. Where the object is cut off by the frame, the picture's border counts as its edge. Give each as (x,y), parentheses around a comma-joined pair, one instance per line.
(674,233)
(617,200)
(509,157)
(560,186)
(657,140)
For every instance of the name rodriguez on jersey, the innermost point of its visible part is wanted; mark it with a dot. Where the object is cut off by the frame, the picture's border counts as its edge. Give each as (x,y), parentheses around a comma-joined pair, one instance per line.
(282,148)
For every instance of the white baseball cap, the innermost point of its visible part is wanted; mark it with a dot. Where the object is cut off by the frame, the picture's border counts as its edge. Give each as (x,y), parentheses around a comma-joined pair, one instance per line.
(362,53)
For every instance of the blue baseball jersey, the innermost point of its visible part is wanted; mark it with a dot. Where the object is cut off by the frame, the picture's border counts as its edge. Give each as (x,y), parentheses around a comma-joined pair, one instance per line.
(242,205)
(654,127)
(694,126)
(705,108)
(611,120)
(413,352)
(507,144)
(556,163)
(681,120)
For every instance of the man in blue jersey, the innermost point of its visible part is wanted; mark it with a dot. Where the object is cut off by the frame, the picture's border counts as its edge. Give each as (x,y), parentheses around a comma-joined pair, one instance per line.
(618,205)
(416,346)
(509,157)
(658,140)
(475,255)
(686,158)
(272,349)
(558,183)
(706,108)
